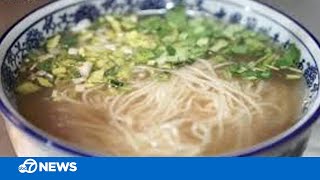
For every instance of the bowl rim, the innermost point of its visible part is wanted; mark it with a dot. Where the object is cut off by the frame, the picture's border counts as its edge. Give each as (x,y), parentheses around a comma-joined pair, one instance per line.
(43,137)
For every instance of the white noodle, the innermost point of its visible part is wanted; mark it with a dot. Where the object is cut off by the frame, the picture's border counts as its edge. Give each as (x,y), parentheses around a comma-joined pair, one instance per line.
(151,116)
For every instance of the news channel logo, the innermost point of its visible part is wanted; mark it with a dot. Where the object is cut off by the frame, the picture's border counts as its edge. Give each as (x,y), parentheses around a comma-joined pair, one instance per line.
(30,166)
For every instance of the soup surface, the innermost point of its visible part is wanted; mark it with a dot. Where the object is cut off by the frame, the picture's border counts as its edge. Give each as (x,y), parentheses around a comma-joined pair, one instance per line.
(161,86)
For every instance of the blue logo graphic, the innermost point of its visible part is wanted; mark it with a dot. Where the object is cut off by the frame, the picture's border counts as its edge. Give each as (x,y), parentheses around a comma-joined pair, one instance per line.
(29,166)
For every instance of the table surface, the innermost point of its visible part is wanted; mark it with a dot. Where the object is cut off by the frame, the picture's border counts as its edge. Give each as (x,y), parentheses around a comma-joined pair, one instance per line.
(306,11)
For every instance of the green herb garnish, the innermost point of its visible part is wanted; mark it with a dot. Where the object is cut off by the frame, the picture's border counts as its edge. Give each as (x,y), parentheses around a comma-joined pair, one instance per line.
(110,49)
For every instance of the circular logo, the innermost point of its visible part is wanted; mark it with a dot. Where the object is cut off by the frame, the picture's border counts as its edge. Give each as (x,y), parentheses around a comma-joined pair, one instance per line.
(28,166)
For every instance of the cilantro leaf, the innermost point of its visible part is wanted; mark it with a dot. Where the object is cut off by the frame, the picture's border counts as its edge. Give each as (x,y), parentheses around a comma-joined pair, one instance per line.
(290,58)
(171,50)
(177,18)
(45,65)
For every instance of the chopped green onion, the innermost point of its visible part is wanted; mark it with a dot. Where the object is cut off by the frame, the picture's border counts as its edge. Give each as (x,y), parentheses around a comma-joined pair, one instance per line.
(27,88)
(293,76)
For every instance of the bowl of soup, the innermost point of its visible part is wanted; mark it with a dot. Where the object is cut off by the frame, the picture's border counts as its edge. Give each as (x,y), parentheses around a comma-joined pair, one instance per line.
(159,78)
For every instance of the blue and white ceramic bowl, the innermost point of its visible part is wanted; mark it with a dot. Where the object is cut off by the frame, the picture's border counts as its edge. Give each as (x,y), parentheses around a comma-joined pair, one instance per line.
(57,16)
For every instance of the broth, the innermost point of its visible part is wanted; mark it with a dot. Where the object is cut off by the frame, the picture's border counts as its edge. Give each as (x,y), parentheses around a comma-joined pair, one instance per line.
(161,86)
(59,119)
